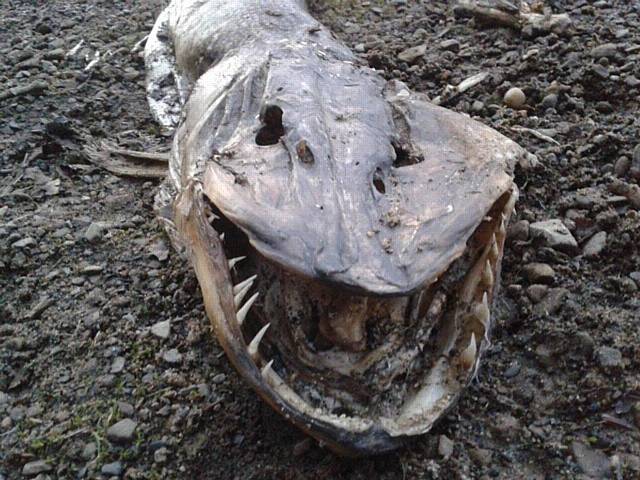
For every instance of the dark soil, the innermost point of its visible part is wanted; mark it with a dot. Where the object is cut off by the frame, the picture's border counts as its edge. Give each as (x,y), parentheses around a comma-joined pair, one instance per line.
(86,270)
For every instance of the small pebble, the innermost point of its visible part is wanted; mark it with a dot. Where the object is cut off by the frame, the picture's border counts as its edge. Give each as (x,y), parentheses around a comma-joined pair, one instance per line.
(550,101)
(445,447)
(514,98)
(513,369)
(609,357)
(595,245)
(118,365)
(161,329)
(122,432)
(112,469)
(161,455)
(622,166)
(635,163)
(89,451)
(539,273)
(172,356)
(94,232)
(537,292)
(36,467)
(412,54)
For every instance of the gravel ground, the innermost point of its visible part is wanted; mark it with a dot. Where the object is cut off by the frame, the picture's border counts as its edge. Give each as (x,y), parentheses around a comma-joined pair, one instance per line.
(107,364)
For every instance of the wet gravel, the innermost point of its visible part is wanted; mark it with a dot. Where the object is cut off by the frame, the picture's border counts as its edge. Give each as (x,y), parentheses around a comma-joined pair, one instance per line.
(107,364)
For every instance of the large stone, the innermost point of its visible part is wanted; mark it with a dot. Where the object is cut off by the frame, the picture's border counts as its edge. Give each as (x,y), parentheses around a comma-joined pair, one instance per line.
(553,233)
(122,432)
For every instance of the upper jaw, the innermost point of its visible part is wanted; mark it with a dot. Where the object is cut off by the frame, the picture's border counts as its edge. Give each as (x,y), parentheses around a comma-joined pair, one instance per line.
(360,218)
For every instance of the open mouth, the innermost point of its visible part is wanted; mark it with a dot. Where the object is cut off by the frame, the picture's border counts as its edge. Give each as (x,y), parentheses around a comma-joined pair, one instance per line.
(359,372)
(346,233)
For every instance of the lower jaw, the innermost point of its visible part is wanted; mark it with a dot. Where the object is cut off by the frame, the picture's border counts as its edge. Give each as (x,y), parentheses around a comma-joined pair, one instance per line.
(362,373)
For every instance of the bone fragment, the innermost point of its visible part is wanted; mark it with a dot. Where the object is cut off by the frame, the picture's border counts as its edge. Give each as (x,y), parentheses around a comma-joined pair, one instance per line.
(75,49)
(139,44)
(452,91)
(535,133)
(94,62)
(496,13)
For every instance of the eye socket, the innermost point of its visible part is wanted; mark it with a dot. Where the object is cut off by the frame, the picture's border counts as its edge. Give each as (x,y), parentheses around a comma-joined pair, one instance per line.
(378,182)
(272,130)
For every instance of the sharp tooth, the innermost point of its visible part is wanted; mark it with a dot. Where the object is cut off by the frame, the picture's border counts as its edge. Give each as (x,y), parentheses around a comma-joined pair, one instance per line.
(212,218)
(495,251)
(503,227)
(239,287)
(487,275)
(242,313)
(253,346)
(222,237)
(468,356)
(234,261)
(241,294)
(481,311)
(266,369)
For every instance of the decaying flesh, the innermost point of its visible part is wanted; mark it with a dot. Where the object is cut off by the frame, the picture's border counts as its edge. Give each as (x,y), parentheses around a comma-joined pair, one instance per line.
(347,234)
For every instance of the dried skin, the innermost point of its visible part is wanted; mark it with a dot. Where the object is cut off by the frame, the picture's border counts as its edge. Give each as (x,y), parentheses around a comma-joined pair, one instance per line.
(372,222)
